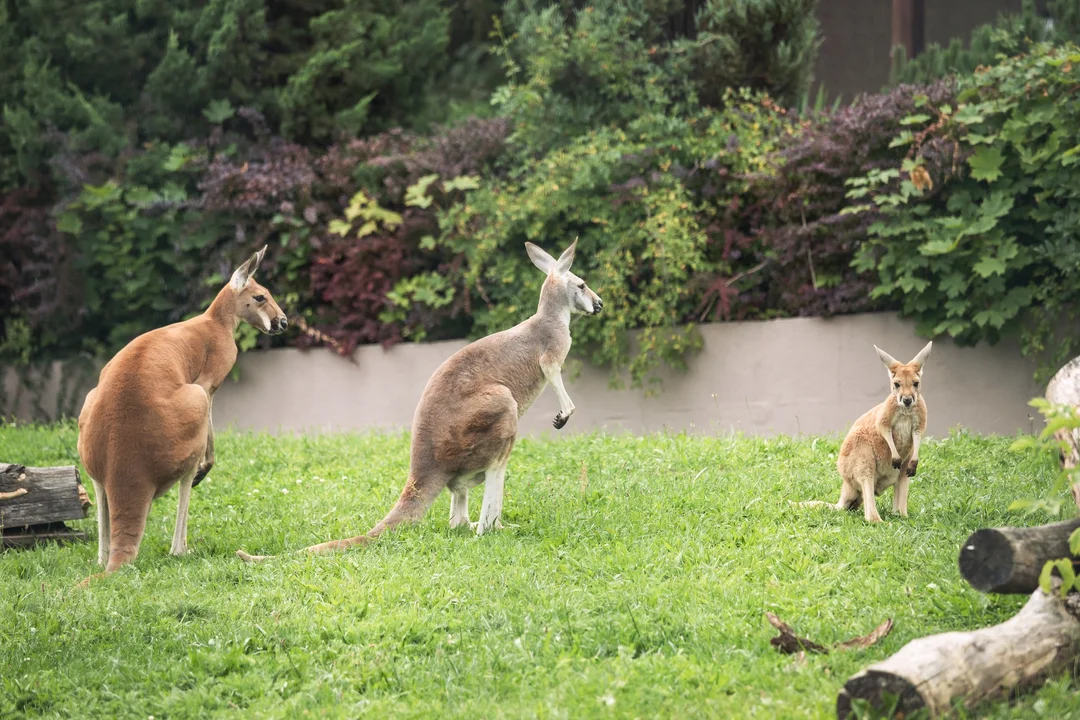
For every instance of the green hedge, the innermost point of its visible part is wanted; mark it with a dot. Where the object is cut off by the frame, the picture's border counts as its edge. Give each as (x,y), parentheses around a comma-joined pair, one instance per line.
(979,227)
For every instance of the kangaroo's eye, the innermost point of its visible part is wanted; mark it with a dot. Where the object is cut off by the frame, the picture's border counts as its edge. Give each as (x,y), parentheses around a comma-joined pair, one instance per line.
(896,385)
(581,286)
(260,298)
(916,386)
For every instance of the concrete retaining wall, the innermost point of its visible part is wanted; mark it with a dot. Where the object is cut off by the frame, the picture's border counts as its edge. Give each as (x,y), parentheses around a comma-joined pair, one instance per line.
(781,376)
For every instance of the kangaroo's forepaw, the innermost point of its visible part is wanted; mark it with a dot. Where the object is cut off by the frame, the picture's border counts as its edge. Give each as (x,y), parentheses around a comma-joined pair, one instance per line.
(896,462)
(912,467)
(873,518)
(560,420)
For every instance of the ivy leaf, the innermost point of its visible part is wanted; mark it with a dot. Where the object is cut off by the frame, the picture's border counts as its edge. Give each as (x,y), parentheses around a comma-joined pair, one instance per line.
(1074,542)
(218,111)
(1071,156)
(340,227)
(953,328)
(179,156)
(954,284)
(463,182)
(986,164)
(915,119)
(1068,575)
(416,195)
(939,246)
(988,266)
(904,138)
(1045,575)
(70,223)
(969,114)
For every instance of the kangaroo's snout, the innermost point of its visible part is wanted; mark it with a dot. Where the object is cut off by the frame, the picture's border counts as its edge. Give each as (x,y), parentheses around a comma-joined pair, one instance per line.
(598,305)
(907,401)
(278,325)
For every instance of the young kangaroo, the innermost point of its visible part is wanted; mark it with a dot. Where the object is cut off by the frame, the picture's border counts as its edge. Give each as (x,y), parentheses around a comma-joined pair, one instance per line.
(882,448)
(147,426)
(466,422)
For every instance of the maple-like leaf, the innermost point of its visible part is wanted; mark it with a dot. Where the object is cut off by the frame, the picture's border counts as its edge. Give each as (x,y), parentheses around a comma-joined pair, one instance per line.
(986,164)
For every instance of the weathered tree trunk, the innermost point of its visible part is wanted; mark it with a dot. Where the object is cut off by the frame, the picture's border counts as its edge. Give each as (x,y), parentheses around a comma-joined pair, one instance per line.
(970,667)
(40,496)
(1009,560)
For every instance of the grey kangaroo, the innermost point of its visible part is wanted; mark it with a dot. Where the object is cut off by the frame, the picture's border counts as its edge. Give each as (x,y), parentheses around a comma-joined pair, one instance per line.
(467,420)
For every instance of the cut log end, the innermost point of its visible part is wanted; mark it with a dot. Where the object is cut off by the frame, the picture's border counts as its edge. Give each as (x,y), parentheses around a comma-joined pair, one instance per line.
(874,686)
(986,561)
(1010,559)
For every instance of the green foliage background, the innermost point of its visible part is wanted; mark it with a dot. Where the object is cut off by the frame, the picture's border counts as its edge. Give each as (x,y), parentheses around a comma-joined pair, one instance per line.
(147,147)
(989,247)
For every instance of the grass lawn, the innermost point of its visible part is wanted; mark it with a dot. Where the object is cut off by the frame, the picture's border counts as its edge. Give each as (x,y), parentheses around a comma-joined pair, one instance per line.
(634,585)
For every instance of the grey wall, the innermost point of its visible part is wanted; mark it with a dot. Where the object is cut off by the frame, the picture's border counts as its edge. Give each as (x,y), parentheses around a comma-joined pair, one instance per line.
(782,376)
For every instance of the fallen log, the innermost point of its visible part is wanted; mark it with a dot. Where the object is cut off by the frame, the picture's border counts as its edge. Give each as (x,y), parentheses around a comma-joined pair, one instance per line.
(57,532)
(932,672)
(30,497)
(1009,560)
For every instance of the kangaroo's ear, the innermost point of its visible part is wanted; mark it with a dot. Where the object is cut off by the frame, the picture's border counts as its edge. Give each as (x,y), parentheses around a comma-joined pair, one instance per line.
(889,360)
(245,271)
(540,258)
(920,359)
(566,259)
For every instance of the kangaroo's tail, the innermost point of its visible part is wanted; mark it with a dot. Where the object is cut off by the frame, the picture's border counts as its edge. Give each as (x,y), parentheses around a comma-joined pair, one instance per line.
(414,501)
(816,503)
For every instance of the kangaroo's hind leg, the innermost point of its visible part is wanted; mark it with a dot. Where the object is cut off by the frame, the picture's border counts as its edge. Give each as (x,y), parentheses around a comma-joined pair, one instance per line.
(849,496)
(194,404)
(208,458)
(459,498)
(491,509)
(497,416)
(900,492)
(102,522)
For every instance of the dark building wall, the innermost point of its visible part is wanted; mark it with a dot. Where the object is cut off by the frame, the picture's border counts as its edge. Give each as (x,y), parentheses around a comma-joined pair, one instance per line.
(854,53)
(857,35)
(946,19)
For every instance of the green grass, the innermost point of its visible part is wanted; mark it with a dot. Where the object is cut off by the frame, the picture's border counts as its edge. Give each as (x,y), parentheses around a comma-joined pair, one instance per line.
(634,586)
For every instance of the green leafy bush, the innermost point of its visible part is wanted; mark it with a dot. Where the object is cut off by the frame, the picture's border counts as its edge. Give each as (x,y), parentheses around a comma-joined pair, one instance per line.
(979,226)
(642,226)
(1049,444)
(158,139)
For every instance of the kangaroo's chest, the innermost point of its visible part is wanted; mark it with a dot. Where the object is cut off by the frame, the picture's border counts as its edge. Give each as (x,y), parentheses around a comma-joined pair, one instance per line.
(903,428)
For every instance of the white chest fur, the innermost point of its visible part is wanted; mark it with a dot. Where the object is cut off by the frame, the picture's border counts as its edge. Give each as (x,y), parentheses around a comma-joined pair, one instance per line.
(904,425)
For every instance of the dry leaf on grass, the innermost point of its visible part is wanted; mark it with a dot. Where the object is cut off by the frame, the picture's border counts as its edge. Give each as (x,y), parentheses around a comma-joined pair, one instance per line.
(790,643)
